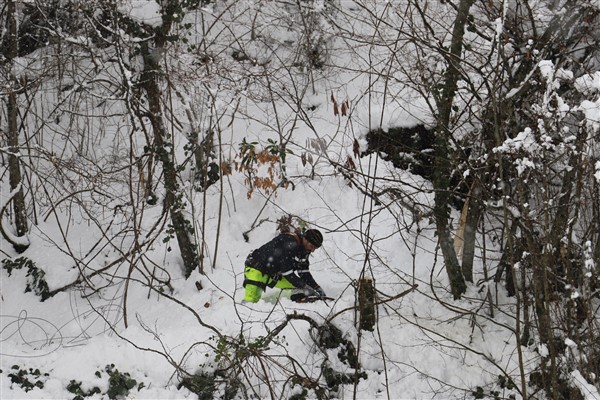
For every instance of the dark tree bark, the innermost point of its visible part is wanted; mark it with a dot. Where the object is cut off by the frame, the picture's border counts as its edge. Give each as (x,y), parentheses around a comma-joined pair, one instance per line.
(442,151)
(12,111)
(163,145)
(474,213)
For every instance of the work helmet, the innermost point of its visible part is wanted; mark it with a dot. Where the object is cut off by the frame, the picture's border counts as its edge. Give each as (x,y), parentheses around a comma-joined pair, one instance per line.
(314,237)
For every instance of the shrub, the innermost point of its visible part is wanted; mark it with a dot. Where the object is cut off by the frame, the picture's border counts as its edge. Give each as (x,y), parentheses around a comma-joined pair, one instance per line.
(21,377)
(36,278)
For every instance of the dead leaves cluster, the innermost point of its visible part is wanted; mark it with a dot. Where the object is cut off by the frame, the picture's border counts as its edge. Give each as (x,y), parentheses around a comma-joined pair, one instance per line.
(343,108)
(251,161)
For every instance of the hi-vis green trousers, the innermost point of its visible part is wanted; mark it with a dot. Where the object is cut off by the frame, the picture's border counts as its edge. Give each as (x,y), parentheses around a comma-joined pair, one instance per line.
(256,282)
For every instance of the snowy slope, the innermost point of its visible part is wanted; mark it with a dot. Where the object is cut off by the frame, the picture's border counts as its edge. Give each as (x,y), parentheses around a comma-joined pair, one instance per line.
(425,345)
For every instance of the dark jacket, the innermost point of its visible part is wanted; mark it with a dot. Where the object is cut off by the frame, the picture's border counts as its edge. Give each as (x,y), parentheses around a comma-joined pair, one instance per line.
(284,257)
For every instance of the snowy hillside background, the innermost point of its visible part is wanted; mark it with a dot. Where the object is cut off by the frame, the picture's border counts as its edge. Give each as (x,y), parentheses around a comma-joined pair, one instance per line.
(425,344)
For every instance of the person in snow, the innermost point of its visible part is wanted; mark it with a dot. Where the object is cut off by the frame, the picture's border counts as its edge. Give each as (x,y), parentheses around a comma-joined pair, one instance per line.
(283,263)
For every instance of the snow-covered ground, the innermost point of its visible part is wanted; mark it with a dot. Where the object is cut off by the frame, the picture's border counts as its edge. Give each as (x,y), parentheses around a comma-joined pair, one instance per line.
(425,345)
(418,349)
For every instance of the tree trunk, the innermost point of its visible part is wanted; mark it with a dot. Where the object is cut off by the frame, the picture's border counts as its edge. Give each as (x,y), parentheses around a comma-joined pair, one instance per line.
(474,213)
(442,150)
(164,151)
(12,111)
(366,304)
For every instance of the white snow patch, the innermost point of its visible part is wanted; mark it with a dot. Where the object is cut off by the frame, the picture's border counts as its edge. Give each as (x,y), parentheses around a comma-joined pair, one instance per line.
(145,11)
(589,391)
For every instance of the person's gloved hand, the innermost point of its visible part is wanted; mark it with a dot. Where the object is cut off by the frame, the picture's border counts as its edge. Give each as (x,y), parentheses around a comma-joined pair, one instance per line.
(320,292)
